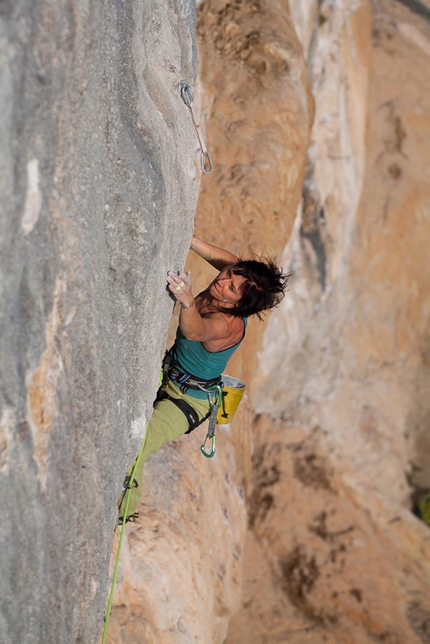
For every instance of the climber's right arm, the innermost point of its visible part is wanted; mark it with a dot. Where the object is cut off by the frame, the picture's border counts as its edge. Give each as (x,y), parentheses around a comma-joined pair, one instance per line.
(217,257)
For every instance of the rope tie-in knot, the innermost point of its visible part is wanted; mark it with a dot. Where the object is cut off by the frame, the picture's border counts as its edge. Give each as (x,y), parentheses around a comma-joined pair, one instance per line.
(205,158)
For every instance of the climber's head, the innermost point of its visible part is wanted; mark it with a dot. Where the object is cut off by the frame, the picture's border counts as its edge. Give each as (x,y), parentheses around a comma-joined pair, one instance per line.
(261,285)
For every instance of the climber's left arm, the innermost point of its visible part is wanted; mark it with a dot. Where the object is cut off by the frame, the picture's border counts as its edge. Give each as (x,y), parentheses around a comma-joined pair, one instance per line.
(219,258)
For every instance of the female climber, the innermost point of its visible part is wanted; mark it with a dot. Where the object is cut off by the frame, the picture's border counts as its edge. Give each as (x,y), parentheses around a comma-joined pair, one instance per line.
(211,328)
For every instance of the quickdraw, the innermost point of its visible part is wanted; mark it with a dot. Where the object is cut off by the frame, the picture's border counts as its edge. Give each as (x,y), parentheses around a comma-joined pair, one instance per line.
(205,158)
(211,429)
(215,405)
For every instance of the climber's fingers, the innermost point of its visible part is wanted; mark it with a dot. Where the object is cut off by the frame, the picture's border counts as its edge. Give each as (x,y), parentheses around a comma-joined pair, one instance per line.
(181,280)
(180,285)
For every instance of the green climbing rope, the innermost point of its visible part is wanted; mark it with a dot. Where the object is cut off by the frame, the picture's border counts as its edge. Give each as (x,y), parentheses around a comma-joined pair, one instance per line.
(121,537)
(211,436)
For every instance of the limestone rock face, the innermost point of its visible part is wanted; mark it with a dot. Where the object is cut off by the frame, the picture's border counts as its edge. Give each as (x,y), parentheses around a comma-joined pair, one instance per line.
(317,118)
(341,435)
(256,101)
(180,575)
(255,98)
(98,197)
(323,561)
(330,442)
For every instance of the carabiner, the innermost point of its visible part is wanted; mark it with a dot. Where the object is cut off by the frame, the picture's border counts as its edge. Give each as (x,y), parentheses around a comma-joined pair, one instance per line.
(203,157)
(130,485)
(202,448)
(186,93)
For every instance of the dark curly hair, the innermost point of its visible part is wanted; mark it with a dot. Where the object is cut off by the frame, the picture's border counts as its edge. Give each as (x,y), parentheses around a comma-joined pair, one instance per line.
(263,289)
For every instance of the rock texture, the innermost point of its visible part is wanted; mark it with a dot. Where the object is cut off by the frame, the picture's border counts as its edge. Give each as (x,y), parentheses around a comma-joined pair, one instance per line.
(340,436)
(180,577)
(259,110)
(333,565)
(331,441)
(301,529)
(255,99)
(98,197)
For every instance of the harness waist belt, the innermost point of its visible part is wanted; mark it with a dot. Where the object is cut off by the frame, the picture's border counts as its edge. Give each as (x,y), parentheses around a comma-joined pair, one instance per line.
(184,379)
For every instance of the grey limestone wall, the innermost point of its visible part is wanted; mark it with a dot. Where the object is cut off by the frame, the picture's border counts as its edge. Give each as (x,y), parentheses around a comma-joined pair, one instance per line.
(98,188)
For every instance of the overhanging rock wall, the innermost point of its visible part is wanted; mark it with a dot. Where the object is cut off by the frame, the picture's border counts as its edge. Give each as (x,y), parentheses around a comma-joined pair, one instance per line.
(98,195)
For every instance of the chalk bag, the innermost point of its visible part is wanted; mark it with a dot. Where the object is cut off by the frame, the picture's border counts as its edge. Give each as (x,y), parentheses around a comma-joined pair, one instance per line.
(232,393)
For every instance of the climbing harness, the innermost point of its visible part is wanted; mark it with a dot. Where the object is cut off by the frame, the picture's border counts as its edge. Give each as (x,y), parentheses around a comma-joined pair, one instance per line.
(205,157)
(224,395)
(172,370)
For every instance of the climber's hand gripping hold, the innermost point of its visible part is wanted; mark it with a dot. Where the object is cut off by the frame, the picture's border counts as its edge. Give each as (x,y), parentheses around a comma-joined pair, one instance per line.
(180,286)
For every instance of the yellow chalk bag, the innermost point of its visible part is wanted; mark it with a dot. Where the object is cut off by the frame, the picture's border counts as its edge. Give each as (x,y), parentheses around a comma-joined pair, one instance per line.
(232,393)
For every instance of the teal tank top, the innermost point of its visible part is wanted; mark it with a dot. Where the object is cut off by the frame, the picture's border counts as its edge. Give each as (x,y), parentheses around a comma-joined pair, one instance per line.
(198,361)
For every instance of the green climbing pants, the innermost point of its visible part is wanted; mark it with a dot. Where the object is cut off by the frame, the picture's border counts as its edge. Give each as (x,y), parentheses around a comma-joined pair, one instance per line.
(167,423)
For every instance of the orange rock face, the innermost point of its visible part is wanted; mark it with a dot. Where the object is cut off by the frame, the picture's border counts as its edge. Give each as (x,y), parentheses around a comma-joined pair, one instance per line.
(180,575)
(259,112)
(340,442)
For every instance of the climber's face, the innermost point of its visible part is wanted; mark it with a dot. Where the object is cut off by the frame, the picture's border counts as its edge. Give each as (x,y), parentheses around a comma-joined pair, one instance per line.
(227,287)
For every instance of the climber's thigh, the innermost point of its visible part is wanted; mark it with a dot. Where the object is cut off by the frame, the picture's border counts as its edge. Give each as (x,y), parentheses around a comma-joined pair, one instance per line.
(167,423)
